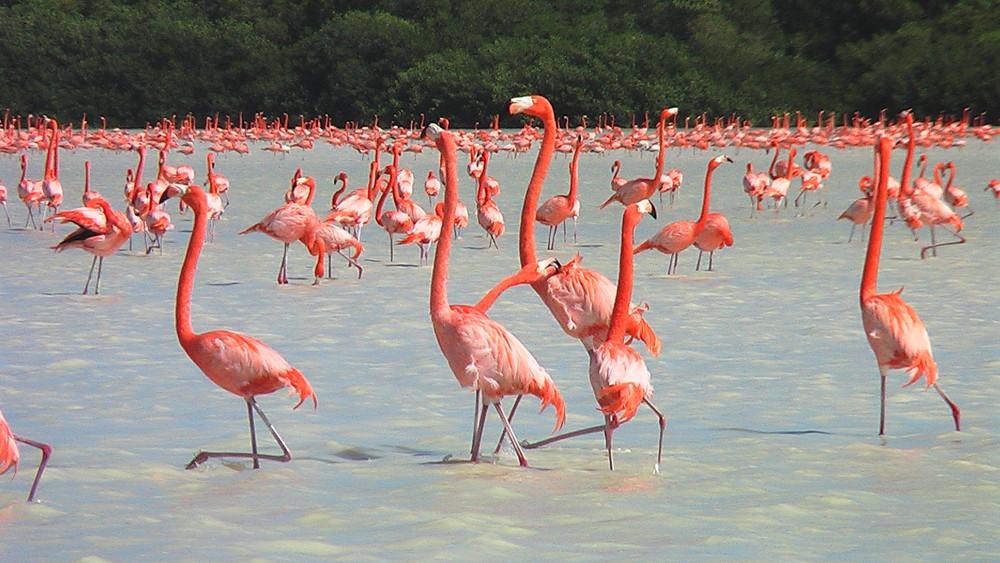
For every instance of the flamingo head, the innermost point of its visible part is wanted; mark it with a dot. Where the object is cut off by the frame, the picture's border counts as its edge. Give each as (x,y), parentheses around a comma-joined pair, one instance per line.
(535,106)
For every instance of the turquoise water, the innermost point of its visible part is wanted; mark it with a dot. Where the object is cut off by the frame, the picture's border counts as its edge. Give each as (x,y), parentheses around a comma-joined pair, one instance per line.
(769,387)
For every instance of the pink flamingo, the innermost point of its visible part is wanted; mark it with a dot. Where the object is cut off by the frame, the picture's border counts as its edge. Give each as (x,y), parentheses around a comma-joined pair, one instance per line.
(679,235)
(482,354)
(716,235)
(425,232)
(643,188)
(858,213)
(30,192)
(432,186)
(3,201)
(896,335)
(557,209)
(487,212)
(10,455)
(755,184)
(394,222)
(288,223)
(242,365)
(101,231)
(617,181)
(51,186)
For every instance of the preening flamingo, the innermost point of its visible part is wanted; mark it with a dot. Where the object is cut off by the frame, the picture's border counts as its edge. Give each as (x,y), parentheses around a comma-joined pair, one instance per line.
(242,365)
(101,231)
(10,455)
(482,354)
(896,335)
(679,235)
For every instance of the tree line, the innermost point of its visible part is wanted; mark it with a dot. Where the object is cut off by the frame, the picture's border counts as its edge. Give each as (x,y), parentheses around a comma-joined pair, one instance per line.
(135,62)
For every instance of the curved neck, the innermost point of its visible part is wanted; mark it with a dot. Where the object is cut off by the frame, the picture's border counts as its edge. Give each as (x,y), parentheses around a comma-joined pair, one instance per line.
(185,282)
(526,238)
(378,208)
(439,276)
(623,296)
(869,276)
(774,160)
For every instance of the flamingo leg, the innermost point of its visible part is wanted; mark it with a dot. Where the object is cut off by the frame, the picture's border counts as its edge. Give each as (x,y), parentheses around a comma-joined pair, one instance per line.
(573,434)
(282,272)
(711,257)
(6,213)
(477,427)
(252,406)
(609,430)
(663,425)
(955,413)
(513,438)
(574,229)
(352,262)
(503,434)
(46,452)
(97,283)
(697,266)
(923,251)
(881,416)
(93,263)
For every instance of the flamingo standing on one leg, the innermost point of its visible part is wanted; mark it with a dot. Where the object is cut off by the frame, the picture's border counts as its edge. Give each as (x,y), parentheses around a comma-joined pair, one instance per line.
(618,373)
(10,455)
(481,353)
(557,209)
(239,364)
(896,335)
(679,235)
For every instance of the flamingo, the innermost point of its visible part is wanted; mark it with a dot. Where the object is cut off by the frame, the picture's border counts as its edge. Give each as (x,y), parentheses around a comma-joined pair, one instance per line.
(101,231)
(88,194)
(392,221)
(679,235)
(288,224)
(579,298)
(954,195)
(217,183)
(714,236)
(557,209)
(616,181)
(896,335)
(993,185)
(618,373)
(858,213)
(425,231)
(335,239)
(755,184)
(643,188)
(30,193)
(10,455)
(51,186)
(242,365)
(780,184)
(432,186)
(3,201)
(487,212)
(481,353)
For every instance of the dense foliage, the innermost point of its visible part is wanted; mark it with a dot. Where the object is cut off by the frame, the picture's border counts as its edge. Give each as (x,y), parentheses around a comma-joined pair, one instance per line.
(135,61)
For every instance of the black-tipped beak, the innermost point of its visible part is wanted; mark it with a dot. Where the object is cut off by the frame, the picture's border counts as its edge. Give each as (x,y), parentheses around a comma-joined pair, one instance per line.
(728,159)
(652,210)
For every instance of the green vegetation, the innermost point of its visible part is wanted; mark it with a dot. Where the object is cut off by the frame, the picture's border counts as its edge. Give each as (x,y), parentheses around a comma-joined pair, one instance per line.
(135,62)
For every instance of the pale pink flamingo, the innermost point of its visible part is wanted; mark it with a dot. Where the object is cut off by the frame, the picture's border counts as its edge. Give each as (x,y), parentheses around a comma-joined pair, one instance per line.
(425,232)
(3,201)
(995,186)
(101,231)
(217,183)
(394,222)
(755,184)
(288,223)
(954,195)
(617,181)
(10,455)
(644,188)
(670,182)
(335,240)
(157,220)
(242,365)
(88,194)
(481,353)
(896,335)
(557,209)
(30,192)
(716,235)
(858,213)
(355,210)
(679,235)
(778,190)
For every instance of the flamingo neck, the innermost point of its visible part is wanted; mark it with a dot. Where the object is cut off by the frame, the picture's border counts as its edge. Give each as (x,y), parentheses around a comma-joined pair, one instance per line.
(439,276)
(526,240)
(574,166)
(905,188)
(703,218)
(185,282)
(623,295)
(661,132)
(869,276)
(379,207)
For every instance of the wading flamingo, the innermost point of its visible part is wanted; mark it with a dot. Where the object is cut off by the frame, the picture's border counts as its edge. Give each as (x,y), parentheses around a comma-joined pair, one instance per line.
(644,188)
(714,236)
(896,335)
(482,354)
(101,231)
(10,455)
(242,365)
(557,209)
(679,235)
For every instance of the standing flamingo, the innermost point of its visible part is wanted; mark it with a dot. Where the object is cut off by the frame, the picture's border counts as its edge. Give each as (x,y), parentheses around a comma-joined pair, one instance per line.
(101,231)
(288,224)
(487,212)
(392,221)
(896,335)
(51,186)
(10,455)
(432,186)
(239,364)
(557,209)
(3,201)
(482,354)
(618,373)
(30,192)
(679,235)
(643,188)
(714,236)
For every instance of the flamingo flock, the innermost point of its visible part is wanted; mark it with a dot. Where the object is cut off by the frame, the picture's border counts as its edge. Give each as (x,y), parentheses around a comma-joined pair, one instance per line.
(586,305)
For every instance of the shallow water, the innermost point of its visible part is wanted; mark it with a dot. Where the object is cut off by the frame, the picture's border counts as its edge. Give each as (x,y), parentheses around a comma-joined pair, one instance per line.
(769,387)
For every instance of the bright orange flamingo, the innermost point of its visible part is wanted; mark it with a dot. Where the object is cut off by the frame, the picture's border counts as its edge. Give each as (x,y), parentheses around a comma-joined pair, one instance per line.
(557,209)
(643,188)
(618,373)
(896,335)
(482,354)
(242,365)
(101,231)
(10,455)
(679,235)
